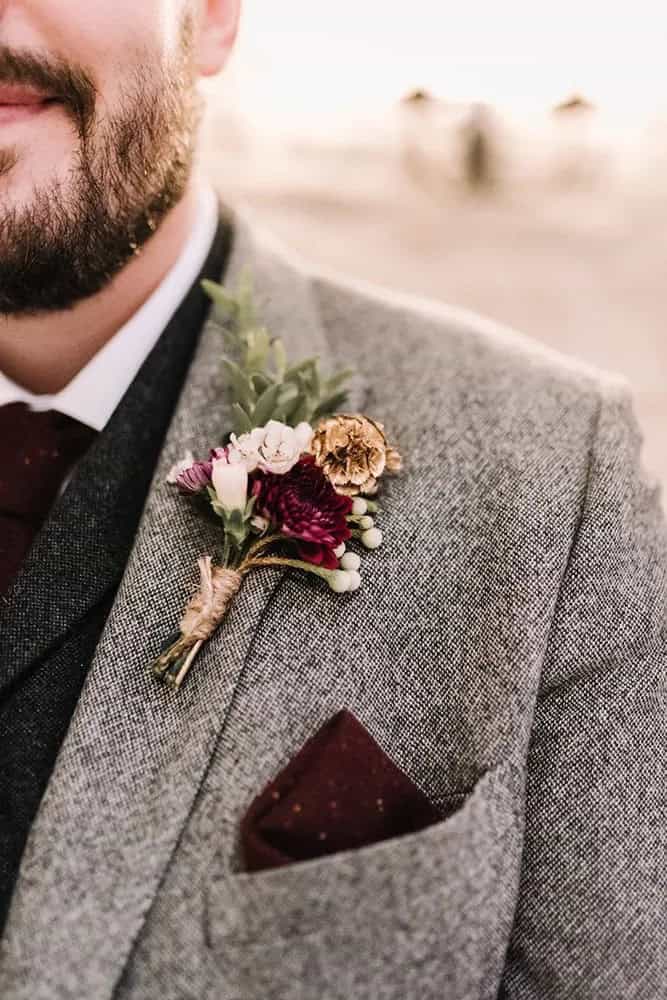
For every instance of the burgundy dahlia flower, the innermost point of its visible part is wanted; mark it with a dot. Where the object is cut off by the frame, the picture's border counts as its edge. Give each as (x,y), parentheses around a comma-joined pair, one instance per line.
(303,505)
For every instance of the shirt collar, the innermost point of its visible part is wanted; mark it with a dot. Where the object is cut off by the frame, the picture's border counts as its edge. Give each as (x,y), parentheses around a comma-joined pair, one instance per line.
(93,394)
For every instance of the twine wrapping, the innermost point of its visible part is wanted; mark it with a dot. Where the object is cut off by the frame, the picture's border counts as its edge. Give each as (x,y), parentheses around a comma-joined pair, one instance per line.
(206,610)
(203,613)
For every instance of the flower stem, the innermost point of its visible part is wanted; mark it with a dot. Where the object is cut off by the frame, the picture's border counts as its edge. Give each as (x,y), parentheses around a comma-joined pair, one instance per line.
(169,656)
(175,682)
(320,571)
(263,543)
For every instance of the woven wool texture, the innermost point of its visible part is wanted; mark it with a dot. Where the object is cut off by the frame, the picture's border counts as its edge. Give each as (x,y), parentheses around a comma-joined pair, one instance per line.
(506,650)
(52,619)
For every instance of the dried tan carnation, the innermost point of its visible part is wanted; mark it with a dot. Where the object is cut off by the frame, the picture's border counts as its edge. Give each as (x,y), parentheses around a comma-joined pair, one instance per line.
(353,452)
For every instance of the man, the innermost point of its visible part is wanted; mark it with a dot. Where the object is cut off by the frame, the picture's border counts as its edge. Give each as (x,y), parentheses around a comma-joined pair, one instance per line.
(504,661)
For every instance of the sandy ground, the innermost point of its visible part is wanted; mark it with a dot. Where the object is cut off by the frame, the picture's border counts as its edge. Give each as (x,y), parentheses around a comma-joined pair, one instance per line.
(582,270)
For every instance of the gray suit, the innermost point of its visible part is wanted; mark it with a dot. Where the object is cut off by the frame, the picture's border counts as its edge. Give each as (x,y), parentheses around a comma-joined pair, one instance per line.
(507,650)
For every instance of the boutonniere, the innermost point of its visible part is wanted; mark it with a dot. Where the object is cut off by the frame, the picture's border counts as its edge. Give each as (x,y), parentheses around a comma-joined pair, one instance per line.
(293,484)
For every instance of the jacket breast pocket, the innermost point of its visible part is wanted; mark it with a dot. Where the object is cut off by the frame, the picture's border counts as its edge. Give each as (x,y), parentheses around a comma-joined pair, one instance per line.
(426,914)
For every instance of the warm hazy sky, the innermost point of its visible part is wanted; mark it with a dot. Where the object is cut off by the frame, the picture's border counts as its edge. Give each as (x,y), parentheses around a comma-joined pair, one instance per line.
(305,57)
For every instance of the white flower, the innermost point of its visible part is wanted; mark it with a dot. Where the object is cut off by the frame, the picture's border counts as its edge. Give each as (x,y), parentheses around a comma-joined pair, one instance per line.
(273,448)
(246,448)
(230,482)
(304,434)
(179,467)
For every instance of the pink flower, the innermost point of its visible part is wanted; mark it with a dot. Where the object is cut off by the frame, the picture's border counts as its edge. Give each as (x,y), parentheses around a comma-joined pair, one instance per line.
(302,504)
(195,478)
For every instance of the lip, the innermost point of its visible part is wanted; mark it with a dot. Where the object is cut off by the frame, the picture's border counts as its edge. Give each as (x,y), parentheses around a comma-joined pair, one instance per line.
(21,112)
(20,96)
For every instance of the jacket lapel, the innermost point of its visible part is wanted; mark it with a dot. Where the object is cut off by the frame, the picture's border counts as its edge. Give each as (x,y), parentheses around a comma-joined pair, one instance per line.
(78,559)
(136,754)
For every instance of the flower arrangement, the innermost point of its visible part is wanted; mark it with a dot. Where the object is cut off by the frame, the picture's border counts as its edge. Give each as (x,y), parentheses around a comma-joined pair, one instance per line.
(292,486)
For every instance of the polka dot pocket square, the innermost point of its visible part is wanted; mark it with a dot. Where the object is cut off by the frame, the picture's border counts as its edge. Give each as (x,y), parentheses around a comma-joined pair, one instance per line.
(340,792)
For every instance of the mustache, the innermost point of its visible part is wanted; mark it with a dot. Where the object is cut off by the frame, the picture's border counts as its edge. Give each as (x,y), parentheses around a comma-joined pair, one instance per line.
(68,83)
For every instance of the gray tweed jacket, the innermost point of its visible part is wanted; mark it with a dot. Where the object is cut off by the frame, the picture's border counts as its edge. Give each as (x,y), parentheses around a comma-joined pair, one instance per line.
(507,650)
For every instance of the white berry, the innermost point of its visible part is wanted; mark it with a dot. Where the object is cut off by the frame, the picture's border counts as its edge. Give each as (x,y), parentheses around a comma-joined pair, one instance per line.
(355,580)
(339,552)
(339,581)
(350,561)
(372,539)
(366,522)
(359,506)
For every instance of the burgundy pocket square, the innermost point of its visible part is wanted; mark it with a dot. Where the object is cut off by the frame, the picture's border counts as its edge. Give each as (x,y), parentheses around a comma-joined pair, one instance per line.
(341,791)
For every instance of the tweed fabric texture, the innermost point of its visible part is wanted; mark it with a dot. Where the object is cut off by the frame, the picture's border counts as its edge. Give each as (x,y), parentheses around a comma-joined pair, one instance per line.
(506,651)
(52,620)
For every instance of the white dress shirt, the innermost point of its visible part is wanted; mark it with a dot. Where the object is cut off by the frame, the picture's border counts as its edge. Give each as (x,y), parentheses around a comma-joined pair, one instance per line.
(96,390)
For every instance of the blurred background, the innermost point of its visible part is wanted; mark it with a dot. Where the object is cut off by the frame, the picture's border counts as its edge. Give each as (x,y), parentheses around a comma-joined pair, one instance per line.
(510,158)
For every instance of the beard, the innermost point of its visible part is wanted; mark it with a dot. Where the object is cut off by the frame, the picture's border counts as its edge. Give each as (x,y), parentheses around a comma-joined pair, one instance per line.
(130,169)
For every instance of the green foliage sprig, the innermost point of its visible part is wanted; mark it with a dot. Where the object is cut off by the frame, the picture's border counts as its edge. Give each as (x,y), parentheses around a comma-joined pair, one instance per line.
(263,385)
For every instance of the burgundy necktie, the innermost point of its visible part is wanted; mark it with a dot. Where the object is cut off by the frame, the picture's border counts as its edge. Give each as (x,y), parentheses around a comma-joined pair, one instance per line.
(37,450)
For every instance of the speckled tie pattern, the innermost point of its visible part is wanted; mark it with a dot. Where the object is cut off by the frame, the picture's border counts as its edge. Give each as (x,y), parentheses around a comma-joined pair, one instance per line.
(37,450)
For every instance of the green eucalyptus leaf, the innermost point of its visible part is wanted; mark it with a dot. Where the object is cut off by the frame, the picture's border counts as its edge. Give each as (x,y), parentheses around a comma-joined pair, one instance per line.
(302,412)
(337,380)
(260,381)
(299,404)
(246,306)
(329,405)
(258,347)
(243,390)
(262,386)
(289,394)
(266,405)
(316,383)
(303,383)
(294,407)
(279,358)
(222,299)
(231,340)
(241,420)
(295,371)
